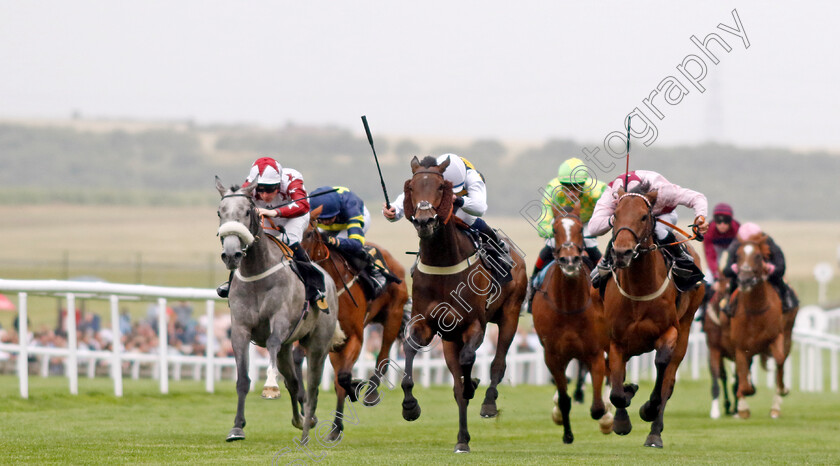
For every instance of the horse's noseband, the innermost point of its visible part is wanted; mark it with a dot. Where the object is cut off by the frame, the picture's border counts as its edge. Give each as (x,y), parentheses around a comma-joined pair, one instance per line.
(234,227)
(639,249)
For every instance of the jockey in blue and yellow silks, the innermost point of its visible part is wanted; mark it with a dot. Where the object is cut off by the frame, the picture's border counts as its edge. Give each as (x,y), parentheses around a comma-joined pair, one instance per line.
(345,220)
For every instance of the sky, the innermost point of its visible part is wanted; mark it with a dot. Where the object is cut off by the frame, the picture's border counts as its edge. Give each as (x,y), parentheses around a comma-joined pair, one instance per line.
(525,70)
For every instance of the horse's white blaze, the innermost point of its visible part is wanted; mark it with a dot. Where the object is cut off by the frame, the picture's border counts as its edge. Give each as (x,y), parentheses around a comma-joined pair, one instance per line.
(567,225)
(748,250)
(271,376)
(715,412)
(238,229)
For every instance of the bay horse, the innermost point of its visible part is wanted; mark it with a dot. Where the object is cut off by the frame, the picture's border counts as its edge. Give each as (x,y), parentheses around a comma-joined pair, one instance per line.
(758,326)
(569,320)
(454,295)
(268,306)
(644,311)
(717,330)
(354,314)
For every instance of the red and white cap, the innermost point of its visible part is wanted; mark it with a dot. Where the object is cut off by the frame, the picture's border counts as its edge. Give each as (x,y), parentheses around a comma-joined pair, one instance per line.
(265,170)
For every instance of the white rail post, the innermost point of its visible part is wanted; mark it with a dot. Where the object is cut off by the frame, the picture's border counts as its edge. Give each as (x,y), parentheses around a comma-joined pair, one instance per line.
(210,372)
(72,365)
(116,346)
(23,355)
(695,359)
(834,381)
(163,345)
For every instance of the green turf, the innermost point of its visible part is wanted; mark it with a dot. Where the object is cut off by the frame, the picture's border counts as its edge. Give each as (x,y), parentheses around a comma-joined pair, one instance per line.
(190,425)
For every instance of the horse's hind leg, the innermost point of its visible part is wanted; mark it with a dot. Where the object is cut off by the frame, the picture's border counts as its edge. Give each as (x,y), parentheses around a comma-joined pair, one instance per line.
(578,395)
(390,332)
(598,410)
(285,365)
(714,369)
(507,330)
(240,338)
(343,363)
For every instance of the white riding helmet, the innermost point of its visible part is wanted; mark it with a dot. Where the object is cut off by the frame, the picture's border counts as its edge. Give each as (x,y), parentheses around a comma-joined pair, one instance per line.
(266,170)
(456,172)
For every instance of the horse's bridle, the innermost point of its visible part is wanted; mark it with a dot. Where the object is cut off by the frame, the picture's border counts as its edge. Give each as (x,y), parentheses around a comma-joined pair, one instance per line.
(758,275)
(426,205)
(638,249)
(254,228)
(568,244)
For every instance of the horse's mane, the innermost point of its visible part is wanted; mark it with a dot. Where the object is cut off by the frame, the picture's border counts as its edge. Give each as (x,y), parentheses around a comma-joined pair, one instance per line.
(428,162)
(234,188)
(641,188)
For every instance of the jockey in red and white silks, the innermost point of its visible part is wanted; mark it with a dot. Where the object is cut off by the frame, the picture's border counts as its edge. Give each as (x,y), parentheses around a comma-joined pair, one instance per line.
(276,186)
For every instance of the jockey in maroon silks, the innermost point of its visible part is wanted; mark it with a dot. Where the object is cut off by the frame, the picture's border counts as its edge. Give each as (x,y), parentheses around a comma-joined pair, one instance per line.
(722,230)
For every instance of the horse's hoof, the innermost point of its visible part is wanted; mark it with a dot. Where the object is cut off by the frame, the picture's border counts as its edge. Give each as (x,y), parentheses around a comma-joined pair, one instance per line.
(785,392)
(354,390)
(489,410)
(297,422)
(271,393)
(578,397)
(597,412)
(715,411)
(313,422)
(335,434)
(654,441)
(557,416)
(775,413)
(647,412)
(371,397)
(462,448)
(606,423)
(630,389)
(745,414)
(235,434)
(411,411)
(621,422)
(568,438)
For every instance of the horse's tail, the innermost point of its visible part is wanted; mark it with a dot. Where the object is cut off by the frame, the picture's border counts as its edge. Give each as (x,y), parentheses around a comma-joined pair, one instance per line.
(338,337)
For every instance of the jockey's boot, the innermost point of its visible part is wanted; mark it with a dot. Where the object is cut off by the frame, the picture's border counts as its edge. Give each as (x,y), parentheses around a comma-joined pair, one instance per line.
(378,281)
(498,252)
(592,256)
(687,275)
(600,274)
(787,296)
(313,279)
(224,288)
(529,298)
(544,258)
(482,226)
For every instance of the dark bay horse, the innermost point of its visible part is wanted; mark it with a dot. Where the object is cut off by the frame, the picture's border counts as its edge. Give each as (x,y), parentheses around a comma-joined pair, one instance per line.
(454,295)
(569,320)
(644,311)
(354,313)
(268,306)
(758,326)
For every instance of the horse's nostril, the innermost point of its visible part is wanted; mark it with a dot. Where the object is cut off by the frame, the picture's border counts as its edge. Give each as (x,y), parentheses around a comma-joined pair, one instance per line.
(237,255)
(224,256)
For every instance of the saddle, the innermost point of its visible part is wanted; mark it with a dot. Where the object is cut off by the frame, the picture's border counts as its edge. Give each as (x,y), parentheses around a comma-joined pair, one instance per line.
(497,261)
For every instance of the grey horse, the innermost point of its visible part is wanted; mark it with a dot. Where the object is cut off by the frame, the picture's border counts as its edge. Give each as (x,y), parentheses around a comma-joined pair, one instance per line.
(267,305)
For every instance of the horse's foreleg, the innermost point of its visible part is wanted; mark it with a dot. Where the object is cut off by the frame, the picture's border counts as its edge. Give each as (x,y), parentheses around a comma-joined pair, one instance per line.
(578,396)
(598,410)
(778,351)
(315,359)
(714,370)
(390,332)
(452,354)
(620,394)
(298,354)
(240,339)
(745,387)
(472,339)
(340,395)
(271,391)
(668,375)
(343,364)
(418,337)
(563,404)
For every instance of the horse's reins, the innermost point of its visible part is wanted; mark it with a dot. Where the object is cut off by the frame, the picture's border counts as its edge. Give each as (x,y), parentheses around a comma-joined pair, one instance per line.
(346,286)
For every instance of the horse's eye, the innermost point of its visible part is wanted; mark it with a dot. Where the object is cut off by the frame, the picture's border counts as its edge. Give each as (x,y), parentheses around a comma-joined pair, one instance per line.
(219,214)
(440,188)
(644,218)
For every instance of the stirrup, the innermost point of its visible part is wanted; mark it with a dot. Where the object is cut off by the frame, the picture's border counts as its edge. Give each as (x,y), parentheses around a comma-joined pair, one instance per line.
(320,302)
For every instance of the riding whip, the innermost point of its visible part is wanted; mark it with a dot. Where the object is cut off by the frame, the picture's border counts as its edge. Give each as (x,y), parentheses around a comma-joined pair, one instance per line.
(381,180)
(627,167)
(307,197)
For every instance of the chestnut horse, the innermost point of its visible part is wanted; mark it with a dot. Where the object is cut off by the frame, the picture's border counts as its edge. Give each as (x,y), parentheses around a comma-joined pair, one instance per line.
(758,325)
(569,319)
(644,311)
(454,295)
(354,313)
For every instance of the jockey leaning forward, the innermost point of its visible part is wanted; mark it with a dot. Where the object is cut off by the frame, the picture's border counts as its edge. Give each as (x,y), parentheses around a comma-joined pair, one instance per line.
(469,199)
(281,201)
(722,231)
(686,273)
(345,220)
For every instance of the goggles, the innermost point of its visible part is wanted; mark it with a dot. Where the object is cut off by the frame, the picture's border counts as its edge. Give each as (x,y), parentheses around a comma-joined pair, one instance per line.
(723,219)
(267,188)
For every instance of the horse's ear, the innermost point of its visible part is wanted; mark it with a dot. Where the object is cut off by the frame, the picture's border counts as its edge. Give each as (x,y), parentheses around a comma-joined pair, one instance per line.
(415,164)
(651,197)
(249,189)
(315,213)
(442,166)
(620,191)
(220,187)
(764,245)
